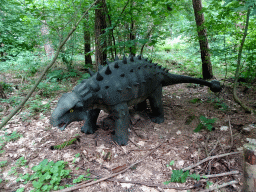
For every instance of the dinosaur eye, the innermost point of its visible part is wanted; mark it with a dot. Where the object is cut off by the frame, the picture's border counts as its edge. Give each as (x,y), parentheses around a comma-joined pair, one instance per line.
(71,110)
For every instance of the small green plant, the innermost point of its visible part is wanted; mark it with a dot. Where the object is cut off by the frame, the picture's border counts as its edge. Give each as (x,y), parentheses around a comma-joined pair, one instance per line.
(36,105)
(47,175)
(13,101)
(180,176)
(12,137)
(6,86)
(195,100)
(205,124)
(82,177)
(21,162)
(47,89)
(208,184)
(3,163)
(170,164)
(219,104)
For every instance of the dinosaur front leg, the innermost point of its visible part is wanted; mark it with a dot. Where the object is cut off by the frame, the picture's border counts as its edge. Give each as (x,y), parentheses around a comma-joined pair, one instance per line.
(156,104)
(89,126)
(122,122)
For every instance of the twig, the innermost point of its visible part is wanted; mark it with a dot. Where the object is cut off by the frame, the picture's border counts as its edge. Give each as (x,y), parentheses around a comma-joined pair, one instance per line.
(82,185)
(220,186)
(134,143)
(152,184)
(209,158)
(220,175)
(231,134)
(119,147)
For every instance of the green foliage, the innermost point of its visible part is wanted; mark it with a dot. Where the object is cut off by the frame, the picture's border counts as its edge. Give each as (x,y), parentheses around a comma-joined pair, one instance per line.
(59,75)
(11,137)
(7,138)
(195,100)
(170,164)
(47,175)
(3,163)
(25,64)
(47,89)
(205,124)
(219,104)
(84,76)
(36,105)
(180,176)
(82,178)
(21,33)
(21,162)
(6,86)
(13,101)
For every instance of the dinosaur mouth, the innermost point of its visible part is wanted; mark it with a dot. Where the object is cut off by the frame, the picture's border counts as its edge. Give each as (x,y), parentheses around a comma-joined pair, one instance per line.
(62,126)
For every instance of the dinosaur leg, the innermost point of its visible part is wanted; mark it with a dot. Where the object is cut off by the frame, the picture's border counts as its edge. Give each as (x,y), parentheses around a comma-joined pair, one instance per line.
(141,106)
(122,122)
(89,126)
(156,104)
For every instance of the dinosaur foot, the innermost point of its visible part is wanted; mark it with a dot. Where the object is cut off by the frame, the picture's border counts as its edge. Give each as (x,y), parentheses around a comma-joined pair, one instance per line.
(121,140)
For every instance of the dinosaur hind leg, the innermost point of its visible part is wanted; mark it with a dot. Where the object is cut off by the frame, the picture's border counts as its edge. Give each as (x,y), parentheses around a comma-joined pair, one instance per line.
(89,126)
(156,104)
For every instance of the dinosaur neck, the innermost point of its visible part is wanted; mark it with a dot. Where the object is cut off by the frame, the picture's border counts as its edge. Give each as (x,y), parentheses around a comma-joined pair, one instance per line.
(171,79)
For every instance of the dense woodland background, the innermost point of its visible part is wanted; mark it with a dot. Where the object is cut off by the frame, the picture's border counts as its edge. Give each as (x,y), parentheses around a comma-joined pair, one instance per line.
(49,45)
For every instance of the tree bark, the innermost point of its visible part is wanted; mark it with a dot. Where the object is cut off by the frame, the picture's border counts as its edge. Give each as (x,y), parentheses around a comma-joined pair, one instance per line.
(100,41)
(47,45)
(87,43)
(203,41)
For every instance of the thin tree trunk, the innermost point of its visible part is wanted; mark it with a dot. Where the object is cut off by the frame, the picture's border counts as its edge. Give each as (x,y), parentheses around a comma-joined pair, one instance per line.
(47,45)
(132,31)
(87,43)
(203,41)
(100,25)
(246,108)
(45,70)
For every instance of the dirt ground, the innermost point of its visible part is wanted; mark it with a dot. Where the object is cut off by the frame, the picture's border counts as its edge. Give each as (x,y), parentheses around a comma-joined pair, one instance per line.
(103,157)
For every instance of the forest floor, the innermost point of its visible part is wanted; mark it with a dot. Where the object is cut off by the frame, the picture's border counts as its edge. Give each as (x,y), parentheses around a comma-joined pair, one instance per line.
(96,154)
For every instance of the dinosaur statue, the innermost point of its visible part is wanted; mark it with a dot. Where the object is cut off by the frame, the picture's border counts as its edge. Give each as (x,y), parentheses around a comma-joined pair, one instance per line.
(114,88)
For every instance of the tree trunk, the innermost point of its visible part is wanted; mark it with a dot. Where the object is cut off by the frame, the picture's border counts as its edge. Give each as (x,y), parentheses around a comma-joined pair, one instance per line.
(47,45)
(87,43)
(100,25)
(202,35)
(132,38)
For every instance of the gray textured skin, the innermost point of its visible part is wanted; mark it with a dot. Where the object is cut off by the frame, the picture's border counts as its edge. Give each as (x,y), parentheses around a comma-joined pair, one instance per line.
(114,88)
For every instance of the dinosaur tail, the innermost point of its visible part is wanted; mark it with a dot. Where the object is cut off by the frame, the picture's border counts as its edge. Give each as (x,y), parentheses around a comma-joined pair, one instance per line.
(171,79)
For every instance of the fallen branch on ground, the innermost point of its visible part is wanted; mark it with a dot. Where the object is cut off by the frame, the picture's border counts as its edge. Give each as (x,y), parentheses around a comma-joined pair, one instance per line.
(207,159)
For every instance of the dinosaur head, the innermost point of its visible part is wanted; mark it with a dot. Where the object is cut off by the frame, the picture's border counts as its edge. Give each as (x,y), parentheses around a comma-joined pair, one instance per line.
(69,109)
(215,86)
